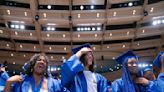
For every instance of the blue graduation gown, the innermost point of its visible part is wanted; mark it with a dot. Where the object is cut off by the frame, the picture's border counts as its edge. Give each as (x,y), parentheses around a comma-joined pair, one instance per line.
(3,78)
(117,86)
(53,85)
(160,82)
(72,77)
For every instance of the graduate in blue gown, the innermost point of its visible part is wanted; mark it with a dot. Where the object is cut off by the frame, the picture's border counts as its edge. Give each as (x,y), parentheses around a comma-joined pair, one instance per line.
(3,77)
(147,72)
(159,62)
(36,78)
(127,83)
(77,73)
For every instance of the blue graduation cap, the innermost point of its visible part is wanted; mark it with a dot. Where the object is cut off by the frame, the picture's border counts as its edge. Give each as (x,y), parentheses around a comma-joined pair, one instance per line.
(76,49)
(1,65)
(26,66)
(148,68)
(129,54)
(157,60)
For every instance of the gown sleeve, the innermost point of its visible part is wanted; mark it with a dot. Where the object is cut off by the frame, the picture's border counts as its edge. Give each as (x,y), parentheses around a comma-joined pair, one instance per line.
(3,78)
(69,69)
(160,82)
(102,84)
(152,86)
(116,86)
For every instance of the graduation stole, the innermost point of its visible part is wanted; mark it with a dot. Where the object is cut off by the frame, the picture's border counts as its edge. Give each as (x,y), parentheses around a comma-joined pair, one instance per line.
(38,87)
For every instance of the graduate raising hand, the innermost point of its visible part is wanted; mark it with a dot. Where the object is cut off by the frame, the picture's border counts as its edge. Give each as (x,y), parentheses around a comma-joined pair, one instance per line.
(77,73)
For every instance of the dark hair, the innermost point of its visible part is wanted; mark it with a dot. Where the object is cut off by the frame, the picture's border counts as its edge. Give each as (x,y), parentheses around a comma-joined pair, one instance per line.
(84,61)
(32,62)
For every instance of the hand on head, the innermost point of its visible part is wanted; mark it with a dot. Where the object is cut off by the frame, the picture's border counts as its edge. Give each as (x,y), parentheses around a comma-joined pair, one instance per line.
(82,51)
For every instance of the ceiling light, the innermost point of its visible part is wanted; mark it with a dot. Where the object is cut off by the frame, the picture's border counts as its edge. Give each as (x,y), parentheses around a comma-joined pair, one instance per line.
(16,33)
(1,31)
(113,58)
(162,21)
(20,46)
(110,34)
(78,35)
(63,57)
(128,33)
(49,6)
(48,35)
(8,12)
(82,29)
(17,26)
(52,28)
(89,28)
(130,4)
(7,45)
(154,22)
(44,15)
(107,47)
(63,35)
(81,7)
(12,26)
(114,14)
(151,10)
(98,15)
(94,48)
(95,35)
(12,54)
(13,63)
(78,29)
(138,44)
(30,34)
(34,47)
(92,6)
(25,13)
(134,12)
(78,15)
(24,55)
(159,21)
(65,48)
(143,31)
(50,48)
(123,46)
(52,57)
(85,28)
(48,28)
(51,24)
(93,28)
(22,27)
(98,28)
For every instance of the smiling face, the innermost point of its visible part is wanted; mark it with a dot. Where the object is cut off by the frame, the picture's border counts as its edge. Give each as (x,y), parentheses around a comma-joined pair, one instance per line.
(89,58)
(40,65)
(132,65)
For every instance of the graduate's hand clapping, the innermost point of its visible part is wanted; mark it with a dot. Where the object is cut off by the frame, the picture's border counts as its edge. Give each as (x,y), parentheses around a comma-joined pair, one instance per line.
(142,80)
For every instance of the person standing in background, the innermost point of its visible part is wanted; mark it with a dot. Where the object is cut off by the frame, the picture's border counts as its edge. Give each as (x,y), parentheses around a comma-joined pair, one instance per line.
(3,77)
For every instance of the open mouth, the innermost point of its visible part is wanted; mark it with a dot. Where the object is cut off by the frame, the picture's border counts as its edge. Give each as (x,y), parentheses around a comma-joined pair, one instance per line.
(41,66)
